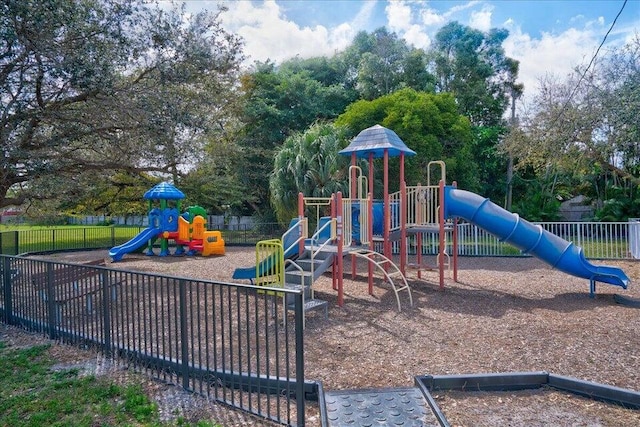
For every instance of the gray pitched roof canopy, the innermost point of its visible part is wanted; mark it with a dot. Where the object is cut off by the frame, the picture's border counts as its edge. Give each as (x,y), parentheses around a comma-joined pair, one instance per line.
(375,140)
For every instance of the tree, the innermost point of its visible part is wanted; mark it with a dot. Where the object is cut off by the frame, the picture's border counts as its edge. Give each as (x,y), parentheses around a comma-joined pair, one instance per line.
(579,132)
(428,123)
(415,74)
(472,66)
(276,105)
(308,162)
(516,90)
(103,86)
(215,183)
(121,195)
(380,63)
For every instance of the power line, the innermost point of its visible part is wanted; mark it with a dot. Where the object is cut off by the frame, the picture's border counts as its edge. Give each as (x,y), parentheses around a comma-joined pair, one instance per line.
(593,58)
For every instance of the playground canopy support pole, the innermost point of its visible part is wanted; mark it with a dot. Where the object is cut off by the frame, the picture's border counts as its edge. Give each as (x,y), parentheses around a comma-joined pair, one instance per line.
(300,219)
(370,231)
(403,208)
(335,267)
(441,222)
(403,226)
(455,245)
(164,242)
(150,242)
(340,239)
(387,209)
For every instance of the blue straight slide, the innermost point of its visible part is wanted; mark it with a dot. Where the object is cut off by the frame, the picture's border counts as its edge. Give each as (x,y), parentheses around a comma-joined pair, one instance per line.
(249,273)
(529,238)
(140,240)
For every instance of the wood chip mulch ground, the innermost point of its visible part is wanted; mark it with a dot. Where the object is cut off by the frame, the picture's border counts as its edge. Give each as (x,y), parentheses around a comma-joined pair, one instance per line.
(503,315)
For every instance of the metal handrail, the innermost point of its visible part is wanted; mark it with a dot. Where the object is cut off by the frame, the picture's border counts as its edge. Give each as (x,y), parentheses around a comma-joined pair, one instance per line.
(304,233)
(301,271)
(332,236)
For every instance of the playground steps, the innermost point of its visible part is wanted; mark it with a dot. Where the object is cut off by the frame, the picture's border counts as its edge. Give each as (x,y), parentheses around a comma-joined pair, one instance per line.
(301,274)
(311,269)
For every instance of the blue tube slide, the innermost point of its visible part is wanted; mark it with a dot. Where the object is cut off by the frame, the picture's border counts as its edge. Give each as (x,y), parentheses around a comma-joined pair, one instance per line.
(138,241)
(529,238)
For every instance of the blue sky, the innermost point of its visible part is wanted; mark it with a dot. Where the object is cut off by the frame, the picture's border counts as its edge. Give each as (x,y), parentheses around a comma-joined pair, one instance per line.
(534,17)
(548,37)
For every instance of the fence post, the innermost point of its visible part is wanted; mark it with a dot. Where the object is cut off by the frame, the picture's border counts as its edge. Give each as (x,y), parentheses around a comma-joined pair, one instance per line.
(184,335)
(51,303)
(113,236)
(475,238)
(8,285)
(579,234)
(299,320)
(106,313)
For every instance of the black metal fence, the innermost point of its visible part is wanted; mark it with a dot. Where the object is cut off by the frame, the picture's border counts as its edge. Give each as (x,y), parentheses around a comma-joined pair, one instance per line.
(231,342)
(85,238)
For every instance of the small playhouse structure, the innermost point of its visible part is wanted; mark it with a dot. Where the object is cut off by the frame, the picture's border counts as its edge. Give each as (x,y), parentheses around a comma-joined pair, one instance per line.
(188,230)
(399,224)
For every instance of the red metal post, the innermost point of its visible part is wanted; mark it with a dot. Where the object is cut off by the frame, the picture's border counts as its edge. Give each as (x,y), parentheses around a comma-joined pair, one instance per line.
(335,266)
(300,218)
(387,208)
(403,217)
(419,254)
(455,245)
(370,231)
(403,225)
(339,232)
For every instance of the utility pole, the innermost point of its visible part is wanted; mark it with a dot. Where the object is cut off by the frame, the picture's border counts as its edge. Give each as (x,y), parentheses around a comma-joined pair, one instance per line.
(510,161)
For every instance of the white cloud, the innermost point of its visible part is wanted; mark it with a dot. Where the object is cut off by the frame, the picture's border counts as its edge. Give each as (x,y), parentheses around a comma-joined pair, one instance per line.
(461,7)
(431,17)
(269,34)
(551,54)
(576,19)
(417,37)
(400,20)
(481,20)
(361,20)
(398,16)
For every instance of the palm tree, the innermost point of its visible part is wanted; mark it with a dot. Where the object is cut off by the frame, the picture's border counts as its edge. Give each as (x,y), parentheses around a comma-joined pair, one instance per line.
(309,163)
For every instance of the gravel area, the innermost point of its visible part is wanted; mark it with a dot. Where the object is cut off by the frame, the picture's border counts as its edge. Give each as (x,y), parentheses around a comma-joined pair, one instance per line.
(503,315)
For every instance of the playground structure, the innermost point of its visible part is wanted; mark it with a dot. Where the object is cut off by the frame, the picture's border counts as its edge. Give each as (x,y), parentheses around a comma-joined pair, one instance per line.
(165,223)
(371,230)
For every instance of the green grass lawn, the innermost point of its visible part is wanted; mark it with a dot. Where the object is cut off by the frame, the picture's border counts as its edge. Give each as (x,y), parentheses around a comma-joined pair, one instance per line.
(35,395)
(60,238)
(36,238)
